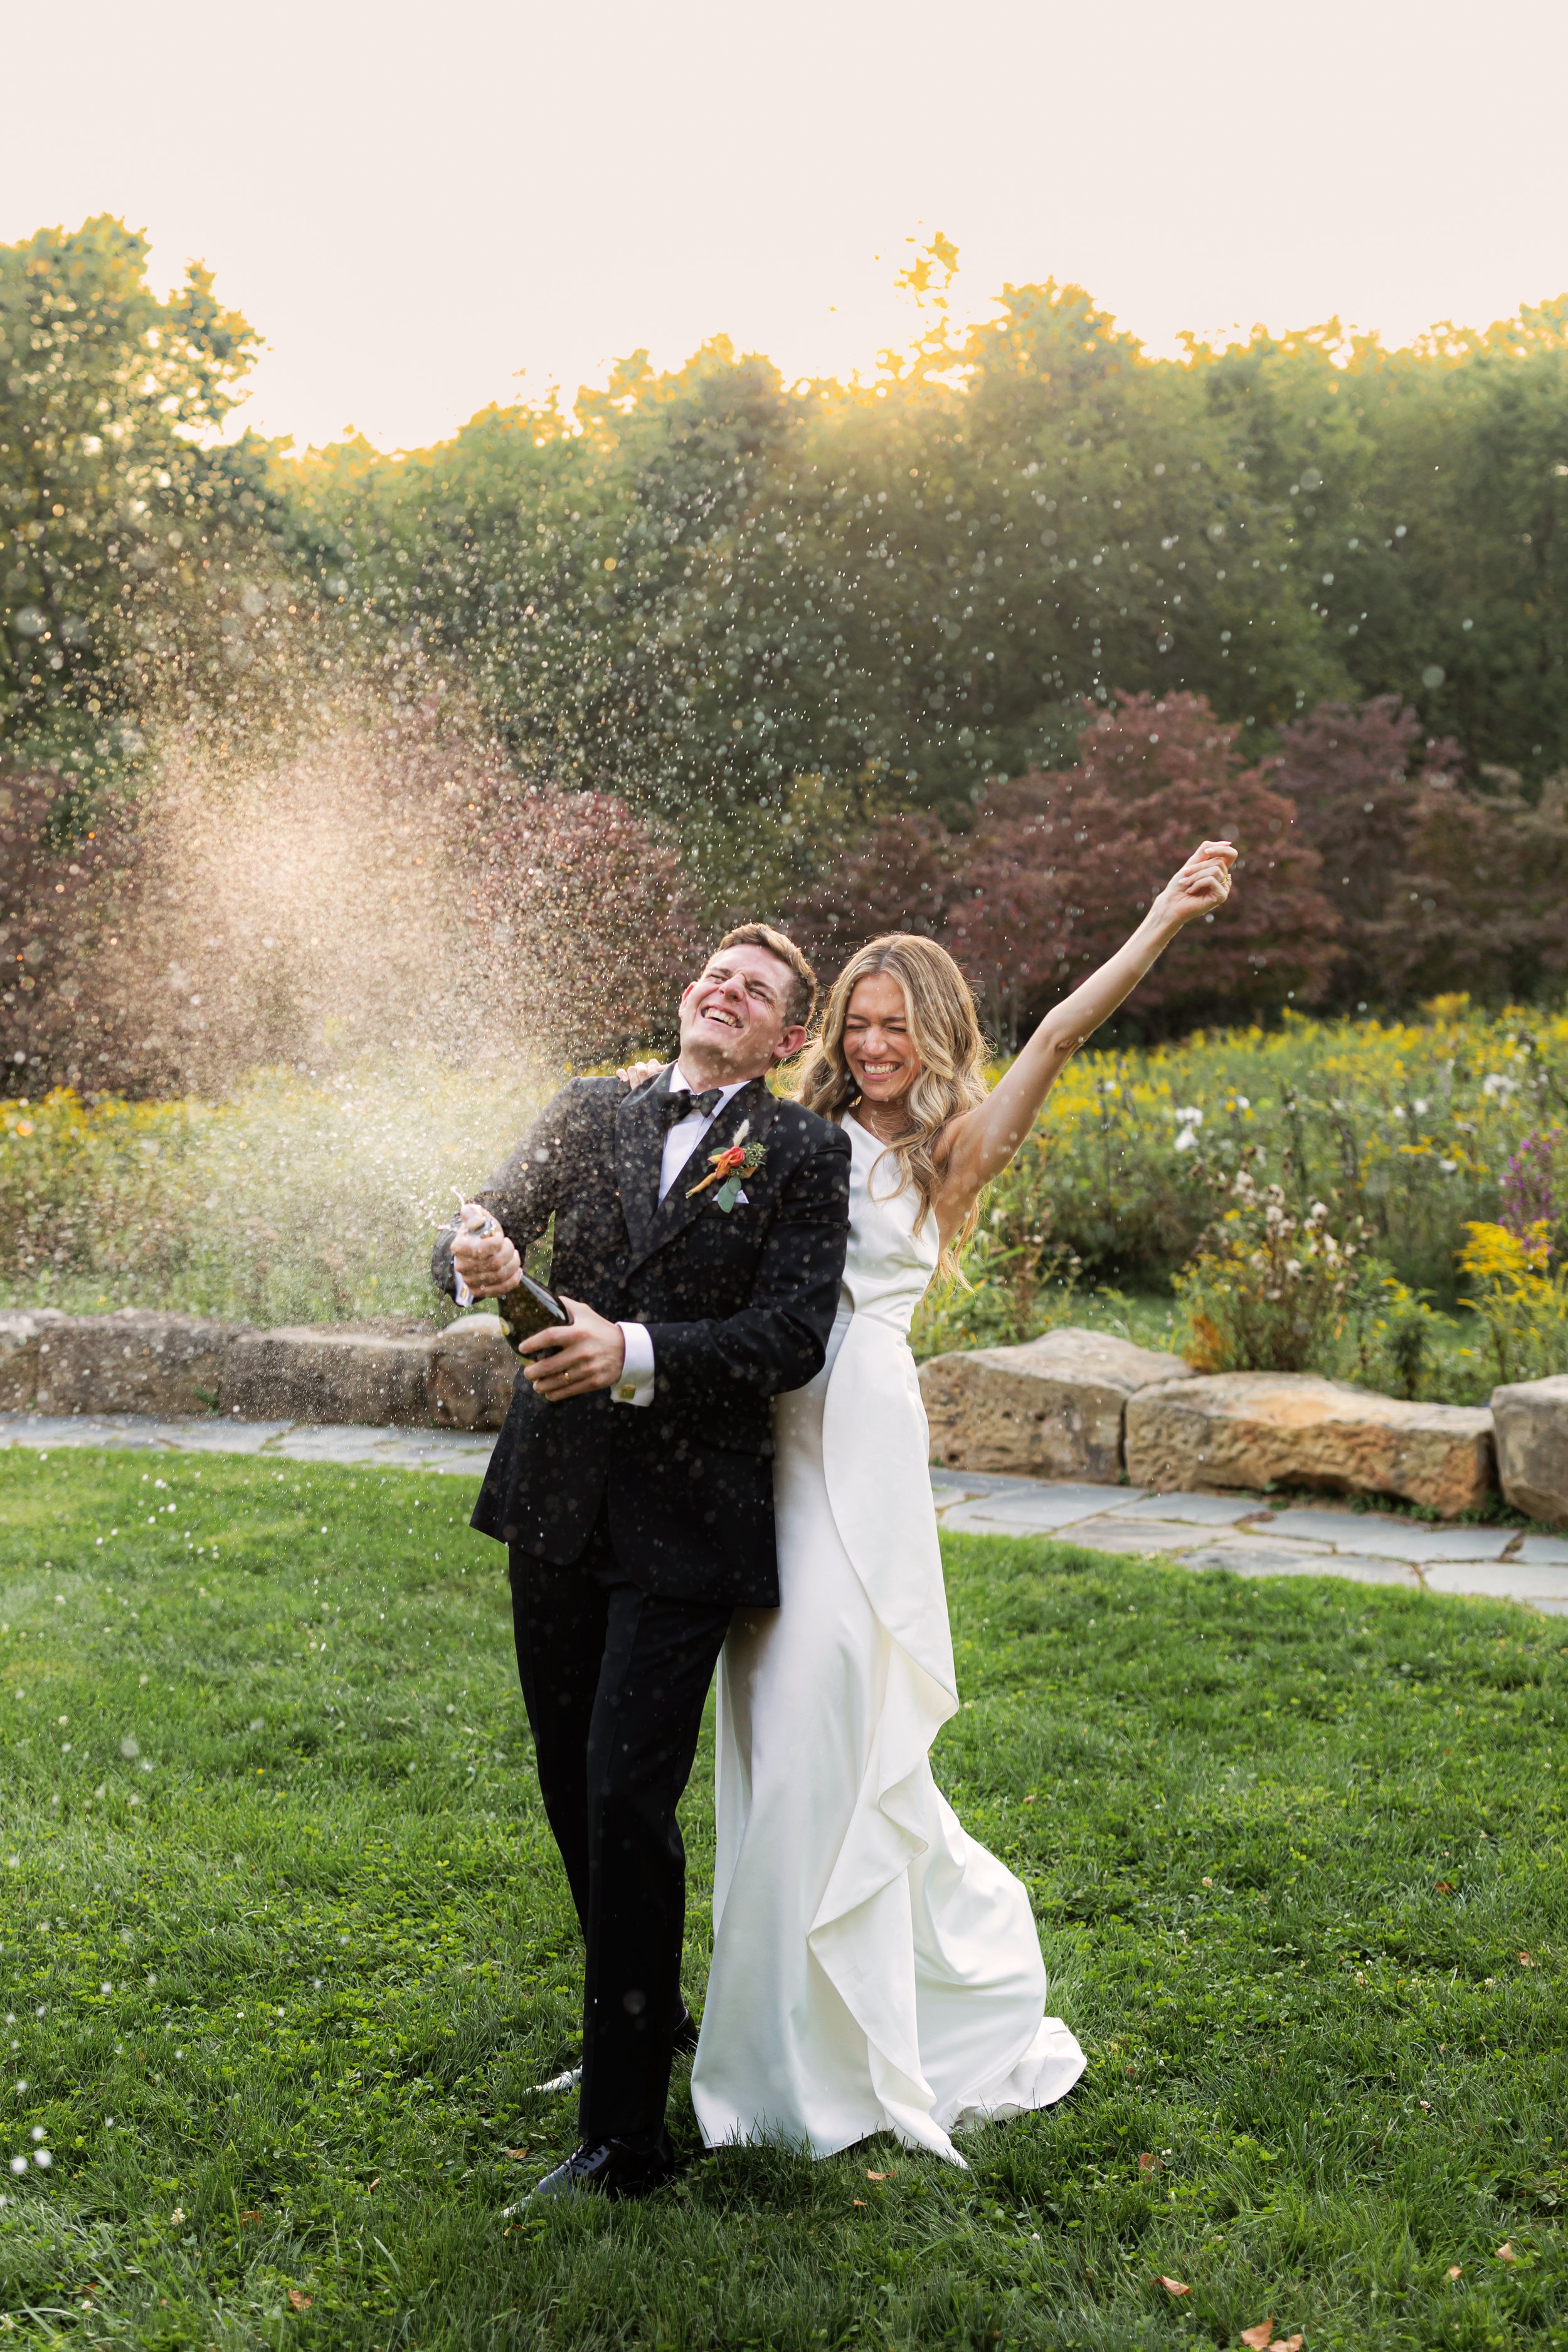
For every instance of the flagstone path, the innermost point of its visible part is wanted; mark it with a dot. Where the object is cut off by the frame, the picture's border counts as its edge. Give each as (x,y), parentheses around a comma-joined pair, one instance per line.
(1239,1532)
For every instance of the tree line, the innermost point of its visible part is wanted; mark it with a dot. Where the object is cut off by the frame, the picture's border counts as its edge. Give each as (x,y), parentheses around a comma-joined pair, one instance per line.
(810,634)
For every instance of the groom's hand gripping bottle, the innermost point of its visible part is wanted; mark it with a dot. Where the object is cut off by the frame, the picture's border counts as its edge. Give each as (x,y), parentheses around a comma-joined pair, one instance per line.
(527,1306)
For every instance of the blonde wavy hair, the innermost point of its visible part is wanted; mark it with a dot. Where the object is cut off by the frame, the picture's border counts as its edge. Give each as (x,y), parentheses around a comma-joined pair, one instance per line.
(945,1030)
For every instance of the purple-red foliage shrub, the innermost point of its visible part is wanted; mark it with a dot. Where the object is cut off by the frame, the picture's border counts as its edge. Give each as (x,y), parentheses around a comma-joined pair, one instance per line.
(588,911)
(898,879)
(1441,882)
(1479,900)
(1355,777)
(1059,867)
(387,886)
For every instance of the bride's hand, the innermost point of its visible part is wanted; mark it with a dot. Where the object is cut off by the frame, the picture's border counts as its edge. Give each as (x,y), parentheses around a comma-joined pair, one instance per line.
(1202,884)
(638,1074)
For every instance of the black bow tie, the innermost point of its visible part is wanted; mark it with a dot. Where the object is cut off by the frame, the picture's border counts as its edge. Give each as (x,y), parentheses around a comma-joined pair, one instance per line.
(678,1105)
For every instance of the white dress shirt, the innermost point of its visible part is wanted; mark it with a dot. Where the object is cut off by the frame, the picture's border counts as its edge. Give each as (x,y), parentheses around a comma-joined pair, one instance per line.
(636,1384)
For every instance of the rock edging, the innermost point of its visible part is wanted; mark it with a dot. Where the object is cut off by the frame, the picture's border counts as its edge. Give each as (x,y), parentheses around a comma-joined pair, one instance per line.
(1073,1404)
(1084,1405)
(176,1366)
(1530,1418)
(1254,1430)
(1053,1407)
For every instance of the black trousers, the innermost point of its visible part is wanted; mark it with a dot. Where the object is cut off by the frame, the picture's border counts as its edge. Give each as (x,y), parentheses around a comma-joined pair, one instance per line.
(615,1679)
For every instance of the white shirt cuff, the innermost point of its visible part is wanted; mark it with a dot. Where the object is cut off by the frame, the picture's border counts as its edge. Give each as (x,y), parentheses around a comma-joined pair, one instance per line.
(635,1383)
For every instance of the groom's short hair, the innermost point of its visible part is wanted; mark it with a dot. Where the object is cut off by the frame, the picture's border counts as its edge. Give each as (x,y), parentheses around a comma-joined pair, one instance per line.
(801,1003)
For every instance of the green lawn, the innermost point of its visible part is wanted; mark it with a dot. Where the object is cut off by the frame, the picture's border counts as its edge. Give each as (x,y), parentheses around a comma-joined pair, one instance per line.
(278,1981)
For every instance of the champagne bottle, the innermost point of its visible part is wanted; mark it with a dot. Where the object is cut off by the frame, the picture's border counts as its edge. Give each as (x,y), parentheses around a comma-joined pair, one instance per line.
(527,1306)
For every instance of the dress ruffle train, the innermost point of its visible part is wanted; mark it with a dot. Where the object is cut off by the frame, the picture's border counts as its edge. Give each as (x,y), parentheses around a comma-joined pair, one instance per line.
(874,1966)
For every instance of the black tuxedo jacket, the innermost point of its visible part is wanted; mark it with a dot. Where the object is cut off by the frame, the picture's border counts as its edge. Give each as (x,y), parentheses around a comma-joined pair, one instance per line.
(739,1305)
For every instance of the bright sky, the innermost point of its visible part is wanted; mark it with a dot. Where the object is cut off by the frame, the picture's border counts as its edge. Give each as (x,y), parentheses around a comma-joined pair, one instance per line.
(419,208)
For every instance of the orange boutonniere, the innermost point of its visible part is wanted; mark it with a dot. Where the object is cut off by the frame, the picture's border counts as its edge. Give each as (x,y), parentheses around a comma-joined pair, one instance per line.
(726,1167)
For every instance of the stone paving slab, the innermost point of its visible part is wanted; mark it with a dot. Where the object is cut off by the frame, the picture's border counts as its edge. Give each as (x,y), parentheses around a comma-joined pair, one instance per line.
(459,1451)
(1137,1538)
(1320,1527)
(344,1443)
(1503,1579)
(1542,1551)
(1037,1509)
(137,1431)
(1201,1510)
(207,1437)
(1243,1558)
(989,1482)
(1390,1538)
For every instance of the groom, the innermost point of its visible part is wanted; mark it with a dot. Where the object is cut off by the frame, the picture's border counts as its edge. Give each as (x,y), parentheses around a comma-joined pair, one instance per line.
(700,1227)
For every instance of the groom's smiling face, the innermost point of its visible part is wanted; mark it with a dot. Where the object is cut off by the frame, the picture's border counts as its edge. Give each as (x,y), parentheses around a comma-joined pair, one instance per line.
(734,1019)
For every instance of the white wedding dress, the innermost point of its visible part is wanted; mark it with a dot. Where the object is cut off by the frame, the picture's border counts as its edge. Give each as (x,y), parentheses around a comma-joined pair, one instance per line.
(874,1969)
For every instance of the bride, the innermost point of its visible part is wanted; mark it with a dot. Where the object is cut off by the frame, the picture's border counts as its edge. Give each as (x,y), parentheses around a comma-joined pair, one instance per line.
(874,1968)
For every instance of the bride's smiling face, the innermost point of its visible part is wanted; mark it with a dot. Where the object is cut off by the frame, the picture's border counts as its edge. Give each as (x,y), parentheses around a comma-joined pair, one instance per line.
(882,1061)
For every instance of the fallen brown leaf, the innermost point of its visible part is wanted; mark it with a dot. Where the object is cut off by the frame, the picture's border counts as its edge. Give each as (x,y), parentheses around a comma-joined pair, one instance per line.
(517,2154)
(1261,2337)
(1148,2163)
(298,2302)
(250,2217)
(1456,2270)
(375,2184)
(1171,2285)
(1287,2344)
(1525,1961)
(1444,1886)
(1504,2252)
(881,2176)
(859,2203)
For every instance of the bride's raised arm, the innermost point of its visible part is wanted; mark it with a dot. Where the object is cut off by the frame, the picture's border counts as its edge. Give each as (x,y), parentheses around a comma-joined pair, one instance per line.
(979,1143)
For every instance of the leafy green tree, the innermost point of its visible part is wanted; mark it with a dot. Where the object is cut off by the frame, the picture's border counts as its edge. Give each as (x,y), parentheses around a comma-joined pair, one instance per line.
(1428,491)
(707,588)
(1065,519)
(143,566)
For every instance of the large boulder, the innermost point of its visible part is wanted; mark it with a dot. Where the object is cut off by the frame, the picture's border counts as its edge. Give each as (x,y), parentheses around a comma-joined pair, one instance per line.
(1050,1409)
(472,1374)
(1530,1418)
(135,1360)
(1294,1429)
(22,1329)
(330,1372)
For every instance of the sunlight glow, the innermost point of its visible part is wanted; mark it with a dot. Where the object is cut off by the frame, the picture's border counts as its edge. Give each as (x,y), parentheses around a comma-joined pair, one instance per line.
(416,213)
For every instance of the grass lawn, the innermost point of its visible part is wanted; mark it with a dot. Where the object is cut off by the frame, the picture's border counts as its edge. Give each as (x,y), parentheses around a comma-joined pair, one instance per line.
(283,1945)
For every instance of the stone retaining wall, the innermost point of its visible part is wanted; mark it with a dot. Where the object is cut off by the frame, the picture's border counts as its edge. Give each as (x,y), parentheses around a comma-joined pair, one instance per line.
(170,1366)
(1074,1404)
(1054,1408)
(1254,1430)
(1082,1405)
